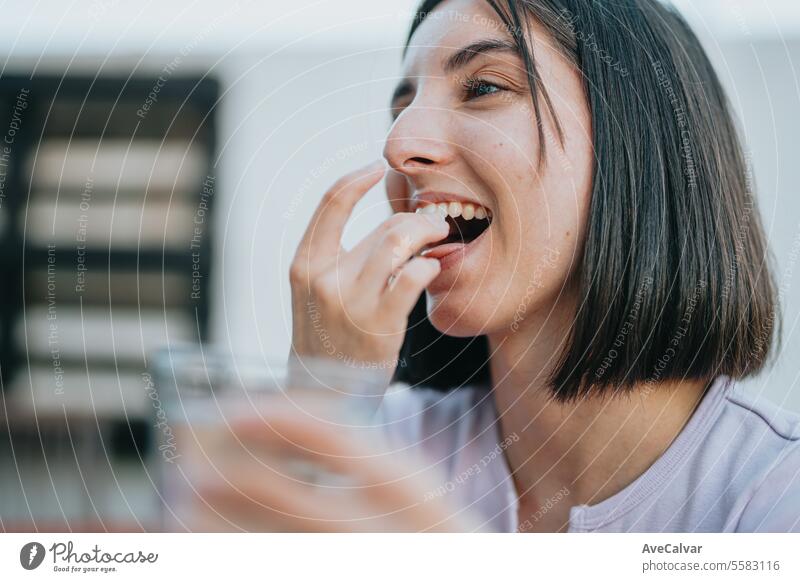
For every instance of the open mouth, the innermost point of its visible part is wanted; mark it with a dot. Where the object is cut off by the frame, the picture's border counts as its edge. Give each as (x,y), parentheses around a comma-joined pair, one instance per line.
(467,223)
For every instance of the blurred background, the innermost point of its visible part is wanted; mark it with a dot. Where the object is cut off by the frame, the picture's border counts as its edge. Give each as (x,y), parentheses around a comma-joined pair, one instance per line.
(158,165)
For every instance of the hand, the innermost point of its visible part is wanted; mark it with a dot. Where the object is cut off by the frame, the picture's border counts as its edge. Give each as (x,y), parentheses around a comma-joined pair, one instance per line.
(256,492)
(344,304)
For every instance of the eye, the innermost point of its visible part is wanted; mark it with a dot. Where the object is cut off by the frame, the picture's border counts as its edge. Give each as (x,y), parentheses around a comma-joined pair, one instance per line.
(474,88)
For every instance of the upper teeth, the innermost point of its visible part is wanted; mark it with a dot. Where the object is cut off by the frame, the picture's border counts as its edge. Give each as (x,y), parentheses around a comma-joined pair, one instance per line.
(466,211)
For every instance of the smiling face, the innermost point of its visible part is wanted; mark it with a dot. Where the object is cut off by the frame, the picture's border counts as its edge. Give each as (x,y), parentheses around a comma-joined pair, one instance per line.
(465,131)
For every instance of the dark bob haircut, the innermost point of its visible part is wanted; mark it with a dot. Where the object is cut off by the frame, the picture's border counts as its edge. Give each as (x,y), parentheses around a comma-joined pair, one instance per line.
(674,280)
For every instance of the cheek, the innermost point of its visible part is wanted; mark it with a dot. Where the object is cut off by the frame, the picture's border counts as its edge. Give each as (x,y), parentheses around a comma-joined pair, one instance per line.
(541,242)
(502,150)
(551,240)
(555,232)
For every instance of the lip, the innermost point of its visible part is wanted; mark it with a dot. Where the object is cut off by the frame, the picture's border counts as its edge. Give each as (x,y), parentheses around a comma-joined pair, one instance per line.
(437,197)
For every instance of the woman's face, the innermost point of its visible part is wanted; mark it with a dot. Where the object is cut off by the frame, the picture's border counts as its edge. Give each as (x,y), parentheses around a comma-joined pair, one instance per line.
(466,131)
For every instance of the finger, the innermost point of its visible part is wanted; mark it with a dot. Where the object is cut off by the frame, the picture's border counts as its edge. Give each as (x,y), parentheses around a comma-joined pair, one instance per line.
(256,501)
(408,236)
(358,255)
(268,509)
(323,235)
(385,486)
(399,196)
(266,492)
(397,191)
(326,444)
(300,433)
(351,265)
(408,283)
(265,506)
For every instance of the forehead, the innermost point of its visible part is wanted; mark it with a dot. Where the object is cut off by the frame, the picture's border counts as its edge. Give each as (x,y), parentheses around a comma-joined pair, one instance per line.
(451,25)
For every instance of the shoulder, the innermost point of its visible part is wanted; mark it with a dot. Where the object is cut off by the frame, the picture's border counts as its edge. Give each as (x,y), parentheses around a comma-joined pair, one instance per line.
(775,504)
(747,432)
(755,410)
(767,444)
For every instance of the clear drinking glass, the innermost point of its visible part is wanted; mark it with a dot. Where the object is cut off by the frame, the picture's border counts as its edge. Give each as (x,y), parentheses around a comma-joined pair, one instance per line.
(201,391)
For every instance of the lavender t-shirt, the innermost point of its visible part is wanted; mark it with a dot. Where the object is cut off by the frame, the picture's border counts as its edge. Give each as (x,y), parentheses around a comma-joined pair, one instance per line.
(735,466)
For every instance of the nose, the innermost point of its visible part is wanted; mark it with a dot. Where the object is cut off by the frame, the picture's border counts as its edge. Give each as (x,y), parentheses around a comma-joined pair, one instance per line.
(419,140)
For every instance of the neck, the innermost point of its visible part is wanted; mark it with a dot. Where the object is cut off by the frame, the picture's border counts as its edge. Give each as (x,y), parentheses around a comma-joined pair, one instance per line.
(582,452)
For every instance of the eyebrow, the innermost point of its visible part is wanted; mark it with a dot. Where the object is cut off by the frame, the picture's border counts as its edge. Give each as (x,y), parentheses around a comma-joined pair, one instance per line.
(464,55)
(459,59)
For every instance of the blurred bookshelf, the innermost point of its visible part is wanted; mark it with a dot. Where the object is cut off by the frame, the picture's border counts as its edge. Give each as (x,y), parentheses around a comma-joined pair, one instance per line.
(106,198)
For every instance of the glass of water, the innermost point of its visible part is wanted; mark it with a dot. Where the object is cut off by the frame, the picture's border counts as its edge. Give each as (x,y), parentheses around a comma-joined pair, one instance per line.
(202,392)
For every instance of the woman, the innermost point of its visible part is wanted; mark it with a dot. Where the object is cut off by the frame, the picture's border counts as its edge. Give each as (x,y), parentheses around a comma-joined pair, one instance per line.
(599,284)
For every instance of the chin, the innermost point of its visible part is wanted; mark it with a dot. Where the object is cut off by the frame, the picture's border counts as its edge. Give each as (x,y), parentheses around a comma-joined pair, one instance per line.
(455,316)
